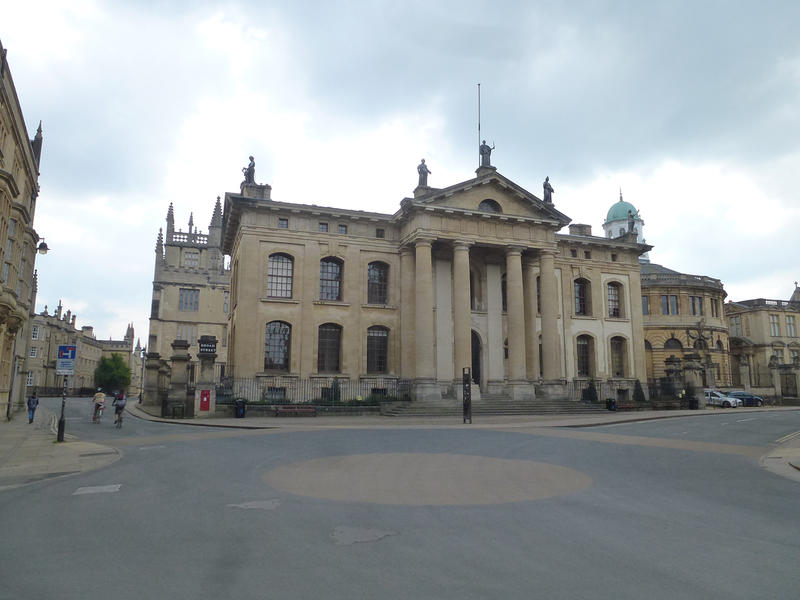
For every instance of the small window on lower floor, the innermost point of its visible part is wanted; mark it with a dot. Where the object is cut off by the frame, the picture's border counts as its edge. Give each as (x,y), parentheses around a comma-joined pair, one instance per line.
(587,254)
(283,223)
(380,233)
(343,229)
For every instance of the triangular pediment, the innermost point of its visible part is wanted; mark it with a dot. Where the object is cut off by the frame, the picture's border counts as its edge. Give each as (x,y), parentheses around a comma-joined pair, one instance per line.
(491,193)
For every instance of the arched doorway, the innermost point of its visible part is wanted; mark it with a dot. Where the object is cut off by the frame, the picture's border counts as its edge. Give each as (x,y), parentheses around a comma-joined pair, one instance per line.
(476,358)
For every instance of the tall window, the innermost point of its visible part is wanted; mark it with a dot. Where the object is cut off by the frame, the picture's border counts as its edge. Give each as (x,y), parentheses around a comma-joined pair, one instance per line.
(277,346)
(582,297)
(584,351)
(279,276)
(226,297)
(538,294)
(714,307)
(790,329)
(188,299)
(377,350)
(188,333)
(504,292)
(35,332)
(328,348)
(778,353)
(614,300)
(774,326)
(618,357)
(645,305)
(377,283)
(736,325)
(33,351)
(191,259)
(669,305)
(795,355)
(330,279)
(29,380)
(696,305)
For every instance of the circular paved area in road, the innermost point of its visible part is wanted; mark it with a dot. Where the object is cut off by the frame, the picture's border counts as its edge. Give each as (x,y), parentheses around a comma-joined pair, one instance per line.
(425,479)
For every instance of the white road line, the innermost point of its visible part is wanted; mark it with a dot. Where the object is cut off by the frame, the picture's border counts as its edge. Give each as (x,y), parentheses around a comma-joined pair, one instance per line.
(98,489)
(787,437)
(745,420)
(150,447)
(724,423)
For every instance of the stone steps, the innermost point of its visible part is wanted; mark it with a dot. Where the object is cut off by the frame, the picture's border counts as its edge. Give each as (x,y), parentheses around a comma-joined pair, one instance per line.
(494,405)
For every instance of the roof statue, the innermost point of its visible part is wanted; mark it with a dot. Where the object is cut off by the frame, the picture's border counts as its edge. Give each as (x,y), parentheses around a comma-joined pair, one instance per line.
(548,190)
(250,171)
(423,171)
(631,223)
(486,154)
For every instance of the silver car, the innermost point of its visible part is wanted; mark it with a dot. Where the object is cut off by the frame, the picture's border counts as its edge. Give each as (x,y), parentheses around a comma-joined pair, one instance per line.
(717,398)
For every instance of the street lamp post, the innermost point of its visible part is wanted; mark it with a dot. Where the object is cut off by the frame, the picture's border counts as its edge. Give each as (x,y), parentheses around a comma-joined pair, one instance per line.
(61,420)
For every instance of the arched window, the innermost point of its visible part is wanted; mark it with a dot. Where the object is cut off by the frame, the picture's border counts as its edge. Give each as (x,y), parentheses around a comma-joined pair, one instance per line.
(622,231)
(490,205)
(329,347)
(377,349)
(700,345)
(505,349)
(538,294)
(277,346)
(673,344)
(585,355)
(377,283)
(720,347)
(280,269)
(583,303)
(330,279)
(648,345)
(615,300)
(504,292)
(618,358)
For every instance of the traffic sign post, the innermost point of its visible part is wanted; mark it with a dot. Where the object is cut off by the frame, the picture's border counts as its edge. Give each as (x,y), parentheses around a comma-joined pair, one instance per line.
(65,365)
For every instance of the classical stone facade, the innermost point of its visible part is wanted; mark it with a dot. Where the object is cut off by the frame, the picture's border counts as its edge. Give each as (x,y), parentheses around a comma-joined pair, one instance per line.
(191,288)
(765,348)
(683,315)
(49,331)
(473,275)
(19,188)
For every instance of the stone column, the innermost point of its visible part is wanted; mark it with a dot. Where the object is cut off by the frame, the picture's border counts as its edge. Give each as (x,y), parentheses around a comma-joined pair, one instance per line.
(550,345)
(205,393)
(693,374)
(518,387)
(462,313)
(407,295)
(179,379)
(531,311)
(151,366)
(425,383)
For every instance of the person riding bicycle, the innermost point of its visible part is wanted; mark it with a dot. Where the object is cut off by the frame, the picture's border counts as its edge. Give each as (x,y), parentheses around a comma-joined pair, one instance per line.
(119,405)
(99,402)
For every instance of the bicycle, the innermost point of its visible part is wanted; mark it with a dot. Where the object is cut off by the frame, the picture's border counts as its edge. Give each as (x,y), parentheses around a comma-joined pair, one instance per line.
(118,424)
(98,413)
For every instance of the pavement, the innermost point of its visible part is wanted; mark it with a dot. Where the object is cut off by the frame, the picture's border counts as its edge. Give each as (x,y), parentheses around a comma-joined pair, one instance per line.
(30,453)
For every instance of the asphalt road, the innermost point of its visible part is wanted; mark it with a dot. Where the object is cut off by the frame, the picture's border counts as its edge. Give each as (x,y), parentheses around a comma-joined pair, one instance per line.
(677,508)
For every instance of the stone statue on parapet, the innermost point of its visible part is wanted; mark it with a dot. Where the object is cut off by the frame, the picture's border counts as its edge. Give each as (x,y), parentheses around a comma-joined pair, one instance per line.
(486,154)
(250,171)
(548,190)
(423,171)
(631,223)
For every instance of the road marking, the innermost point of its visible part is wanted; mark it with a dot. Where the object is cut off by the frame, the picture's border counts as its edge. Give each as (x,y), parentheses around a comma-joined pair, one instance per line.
(151,447)
(786,438)
(260,504)
(745,420)
(98,489)
(724,423)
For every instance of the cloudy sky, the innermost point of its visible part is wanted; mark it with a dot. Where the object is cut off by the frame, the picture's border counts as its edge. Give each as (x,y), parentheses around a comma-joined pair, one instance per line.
(691,108)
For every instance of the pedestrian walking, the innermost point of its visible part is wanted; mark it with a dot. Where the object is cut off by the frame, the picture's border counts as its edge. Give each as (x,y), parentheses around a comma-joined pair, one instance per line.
(33,403)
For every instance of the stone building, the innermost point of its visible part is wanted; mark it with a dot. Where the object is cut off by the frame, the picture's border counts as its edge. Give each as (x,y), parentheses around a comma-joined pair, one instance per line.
(19,189)
(49,331)
(473,275)
(765,349)
(191,289)
(684,314)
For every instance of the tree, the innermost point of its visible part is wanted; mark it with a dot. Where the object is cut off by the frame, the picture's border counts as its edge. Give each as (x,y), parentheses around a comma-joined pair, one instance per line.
(112,373)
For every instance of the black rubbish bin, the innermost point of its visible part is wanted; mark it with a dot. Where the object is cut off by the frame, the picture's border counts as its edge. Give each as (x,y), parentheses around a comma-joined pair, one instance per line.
(611,404)
(239,408)
(693,404)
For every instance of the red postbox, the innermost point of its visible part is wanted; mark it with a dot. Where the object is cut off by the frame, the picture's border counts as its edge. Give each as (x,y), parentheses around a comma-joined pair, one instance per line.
(205,399)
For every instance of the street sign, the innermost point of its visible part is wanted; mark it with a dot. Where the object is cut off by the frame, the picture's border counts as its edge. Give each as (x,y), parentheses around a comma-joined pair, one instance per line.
(65,363)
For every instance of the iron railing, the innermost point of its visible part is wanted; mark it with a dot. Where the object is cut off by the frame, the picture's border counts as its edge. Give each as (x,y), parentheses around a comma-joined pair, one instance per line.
(320,391)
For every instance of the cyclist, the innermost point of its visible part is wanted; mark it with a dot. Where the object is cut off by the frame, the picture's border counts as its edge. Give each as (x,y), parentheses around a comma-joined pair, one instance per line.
(119,405)
(99,401)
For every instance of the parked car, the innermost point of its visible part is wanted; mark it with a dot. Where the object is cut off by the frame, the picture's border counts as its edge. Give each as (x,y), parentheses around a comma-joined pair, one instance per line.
(717,398)
(747,398)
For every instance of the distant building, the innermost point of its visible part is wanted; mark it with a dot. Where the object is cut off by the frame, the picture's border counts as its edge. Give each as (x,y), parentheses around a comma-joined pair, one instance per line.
(191,292)
(49,331)
(765,346)
(622,219)
(19,188)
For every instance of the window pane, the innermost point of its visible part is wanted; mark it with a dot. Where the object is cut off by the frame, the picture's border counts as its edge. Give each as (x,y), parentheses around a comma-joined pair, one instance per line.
(583,356)
(330,279)
(377,283)
(328,348)
(277,346)
(613,301)
(377,349)
(279,276)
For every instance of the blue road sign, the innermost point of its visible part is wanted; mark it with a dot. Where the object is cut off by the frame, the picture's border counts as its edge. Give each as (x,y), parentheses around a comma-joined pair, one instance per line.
(65,364)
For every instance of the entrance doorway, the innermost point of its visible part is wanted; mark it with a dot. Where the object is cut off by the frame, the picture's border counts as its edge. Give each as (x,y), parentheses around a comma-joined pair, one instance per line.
(476,359)
(788,385)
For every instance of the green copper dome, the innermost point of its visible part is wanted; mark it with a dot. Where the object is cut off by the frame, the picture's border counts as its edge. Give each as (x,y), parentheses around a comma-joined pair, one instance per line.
(619,211)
